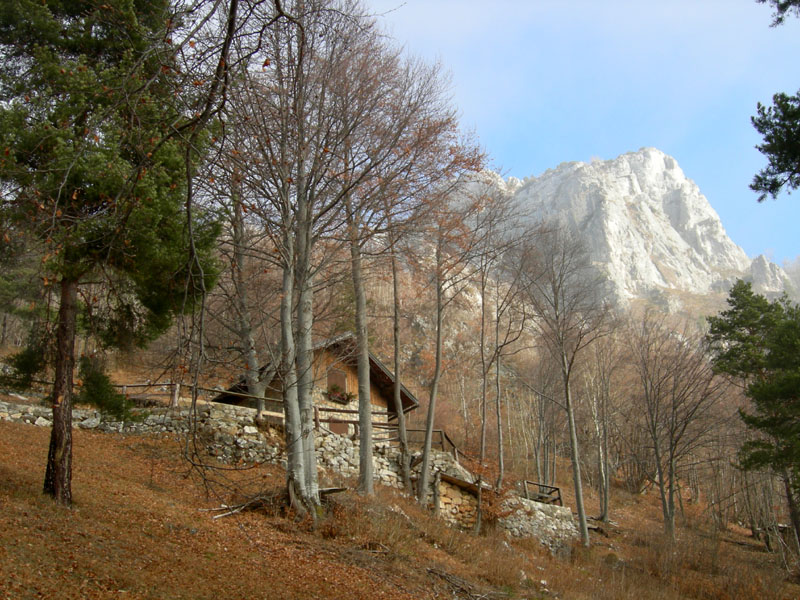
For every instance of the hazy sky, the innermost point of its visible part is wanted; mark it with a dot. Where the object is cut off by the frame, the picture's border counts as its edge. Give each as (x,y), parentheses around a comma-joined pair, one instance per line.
(542,82)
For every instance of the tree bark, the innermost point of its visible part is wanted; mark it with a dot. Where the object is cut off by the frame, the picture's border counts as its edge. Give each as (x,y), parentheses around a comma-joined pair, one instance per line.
(499,408)
(405,458)
(669,528)
(365,467)
(484,368)
(305,368)
(605,466)
(583,526)
(484,376)
(424,477)
(255,383)
(794,513)
(58,475)
(295,478)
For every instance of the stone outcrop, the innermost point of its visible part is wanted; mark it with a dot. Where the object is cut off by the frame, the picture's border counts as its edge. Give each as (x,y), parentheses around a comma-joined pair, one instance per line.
(553,525)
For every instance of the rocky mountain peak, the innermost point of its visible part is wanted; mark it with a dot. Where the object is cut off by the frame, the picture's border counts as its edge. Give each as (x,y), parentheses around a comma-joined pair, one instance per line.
(647,226)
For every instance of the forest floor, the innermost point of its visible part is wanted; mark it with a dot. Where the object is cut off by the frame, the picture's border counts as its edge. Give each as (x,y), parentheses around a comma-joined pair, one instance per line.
(141,527)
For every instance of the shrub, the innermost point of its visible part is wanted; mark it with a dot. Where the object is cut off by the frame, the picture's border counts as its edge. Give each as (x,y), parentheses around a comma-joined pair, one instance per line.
(98,390)
(25,365)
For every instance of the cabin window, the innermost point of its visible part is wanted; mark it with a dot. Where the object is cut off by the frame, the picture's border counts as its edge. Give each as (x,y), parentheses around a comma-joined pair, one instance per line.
(337,386)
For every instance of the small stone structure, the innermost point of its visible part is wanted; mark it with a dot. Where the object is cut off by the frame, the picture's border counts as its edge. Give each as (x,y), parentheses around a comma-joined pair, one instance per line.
(553,525)
(228,433)
(457,505)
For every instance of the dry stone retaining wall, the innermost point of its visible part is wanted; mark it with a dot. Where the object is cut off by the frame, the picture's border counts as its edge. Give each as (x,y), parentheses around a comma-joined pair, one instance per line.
(553,525)
(457,506)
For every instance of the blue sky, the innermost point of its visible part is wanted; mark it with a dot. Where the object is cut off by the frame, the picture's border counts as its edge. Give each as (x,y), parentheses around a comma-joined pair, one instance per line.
(542,82)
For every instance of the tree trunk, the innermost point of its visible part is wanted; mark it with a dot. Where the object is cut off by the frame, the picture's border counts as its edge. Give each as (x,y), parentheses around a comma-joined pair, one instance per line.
(365,466)
(662,487)
(671,496)
(598,419)
(255,383)
(484,368)
(583,526)
(405,458)
(58,475)
(295,470)
(422,492)
(484,376)
(794,514)
(499,408)
(606,466)
(305,376)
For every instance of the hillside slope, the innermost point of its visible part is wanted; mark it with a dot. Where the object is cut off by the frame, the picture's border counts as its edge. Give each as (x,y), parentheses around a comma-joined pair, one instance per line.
(140,528)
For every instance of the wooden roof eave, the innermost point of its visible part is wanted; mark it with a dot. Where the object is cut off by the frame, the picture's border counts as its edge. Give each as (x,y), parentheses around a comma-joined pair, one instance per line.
(407,399)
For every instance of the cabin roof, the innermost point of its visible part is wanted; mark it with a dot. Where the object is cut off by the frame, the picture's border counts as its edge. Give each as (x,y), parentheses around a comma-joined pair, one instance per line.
(344,346)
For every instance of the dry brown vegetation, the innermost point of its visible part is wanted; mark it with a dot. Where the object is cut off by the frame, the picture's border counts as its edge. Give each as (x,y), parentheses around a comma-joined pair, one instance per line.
(138,530)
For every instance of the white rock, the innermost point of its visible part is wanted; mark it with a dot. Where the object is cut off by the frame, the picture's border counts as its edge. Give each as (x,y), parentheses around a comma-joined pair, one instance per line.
(646,225)
(89,423)
(42,422)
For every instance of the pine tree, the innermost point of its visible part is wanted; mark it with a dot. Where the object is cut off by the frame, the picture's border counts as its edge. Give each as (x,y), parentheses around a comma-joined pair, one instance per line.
(779,125)
(90,165)
(758,342)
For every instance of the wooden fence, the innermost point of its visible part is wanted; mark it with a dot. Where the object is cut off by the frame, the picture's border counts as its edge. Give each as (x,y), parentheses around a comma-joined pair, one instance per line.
(169,393)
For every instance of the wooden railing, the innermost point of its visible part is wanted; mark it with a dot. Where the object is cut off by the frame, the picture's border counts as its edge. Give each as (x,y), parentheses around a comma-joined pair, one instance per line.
(539,492)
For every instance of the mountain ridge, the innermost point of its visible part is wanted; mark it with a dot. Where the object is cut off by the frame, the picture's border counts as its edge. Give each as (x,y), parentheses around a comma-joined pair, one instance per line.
(647,227)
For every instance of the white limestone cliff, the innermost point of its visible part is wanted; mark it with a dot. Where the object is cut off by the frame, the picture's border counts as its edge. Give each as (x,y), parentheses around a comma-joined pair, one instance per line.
(647,227)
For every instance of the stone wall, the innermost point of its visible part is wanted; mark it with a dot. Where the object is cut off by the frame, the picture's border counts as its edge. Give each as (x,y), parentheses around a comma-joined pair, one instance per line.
(457,506)
(228,433)
(553,525)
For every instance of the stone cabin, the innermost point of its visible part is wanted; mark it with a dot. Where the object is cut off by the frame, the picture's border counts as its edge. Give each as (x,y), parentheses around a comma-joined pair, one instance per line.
(335,387)
(452,486)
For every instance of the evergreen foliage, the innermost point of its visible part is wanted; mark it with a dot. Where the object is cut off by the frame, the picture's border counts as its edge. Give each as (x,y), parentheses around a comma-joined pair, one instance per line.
(782,9)
(89,163)
(94,167)
(98,390)
(25,365)
(779,125)
(758,342)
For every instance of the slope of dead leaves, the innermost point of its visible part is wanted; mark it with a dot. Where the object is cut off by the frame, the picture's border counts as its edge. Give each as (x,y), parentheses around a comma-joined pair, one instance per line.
(136,531)
(141,527)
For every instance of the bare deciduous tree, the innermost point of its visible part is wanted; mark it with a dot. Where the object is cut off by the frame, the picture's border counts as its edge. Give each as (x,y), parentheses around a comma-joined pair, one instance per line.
(599,382)
(677,394)
(563,291)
